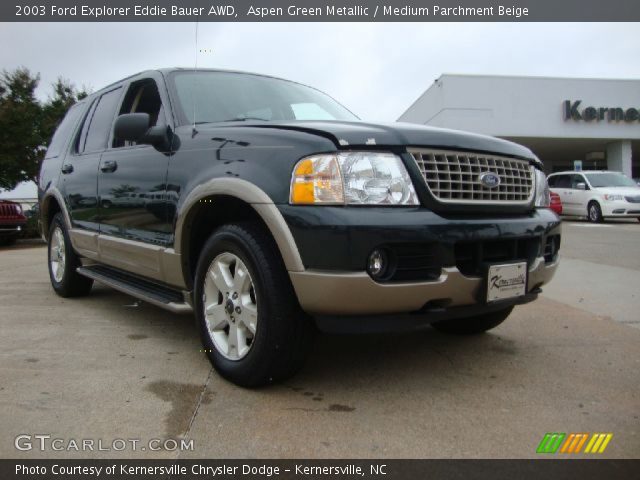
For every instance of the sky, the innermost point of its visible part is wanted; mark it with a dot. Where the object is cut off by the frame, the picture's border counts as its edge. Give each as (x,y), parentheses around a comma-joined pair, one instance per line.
(375,69)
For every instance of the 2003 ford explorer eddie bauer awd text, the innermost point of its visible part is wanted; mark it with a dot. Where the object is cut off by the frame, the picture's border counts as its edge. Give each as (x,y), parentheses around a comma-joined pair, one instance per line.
(269,209)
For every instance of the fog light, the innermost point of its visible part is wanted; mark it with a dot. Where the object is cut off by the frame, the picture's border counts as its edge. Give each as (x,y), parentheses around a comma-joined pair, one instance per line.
(378,263)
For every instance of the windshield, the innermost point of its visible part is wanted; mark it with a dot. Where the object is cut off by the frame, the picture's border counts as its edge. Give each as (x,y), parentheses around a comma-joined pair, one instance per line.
(609,180)
(206,97)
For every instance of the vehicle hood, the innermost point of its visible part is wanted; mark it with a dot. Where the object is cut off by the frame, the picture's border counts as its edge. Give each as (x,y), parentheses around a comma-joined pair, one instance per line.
(347,135)
(626,191)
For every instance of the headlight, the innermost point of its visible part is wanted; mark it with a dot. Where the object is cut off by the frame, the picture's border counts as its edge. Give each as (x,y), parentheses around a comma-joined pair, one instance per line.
(543,196)
(352,178)
(612,198)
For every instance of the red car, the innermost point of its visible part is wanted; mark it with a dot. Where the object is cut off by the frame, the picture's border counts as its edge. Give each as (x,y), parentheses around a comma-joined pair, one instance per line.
(556,203)
(12,221)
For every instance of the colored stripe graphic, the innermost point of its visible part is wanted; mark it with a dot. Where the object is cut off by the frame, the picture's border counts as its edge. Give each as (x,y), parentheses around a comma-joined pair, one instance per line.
(581,443)
(598,442)
(554,442)
(550,443)
(574,443)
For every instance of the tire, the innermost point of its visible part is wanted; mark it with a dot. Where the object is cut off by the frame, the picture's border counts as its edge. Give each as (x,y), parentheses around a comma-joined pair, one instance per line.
(63,262)
(260,335)
(473,325)
(594,212)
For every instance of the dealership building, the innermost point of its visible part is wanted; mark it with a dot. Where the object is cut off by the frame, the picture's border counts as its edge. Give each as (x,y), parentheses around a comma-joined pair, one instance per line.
(567,122)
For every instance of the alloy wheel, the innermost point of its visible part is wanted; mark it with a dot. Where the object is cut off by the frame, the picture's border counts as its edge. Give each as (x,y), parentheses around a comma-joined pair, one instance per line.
(57,255)
(230,306)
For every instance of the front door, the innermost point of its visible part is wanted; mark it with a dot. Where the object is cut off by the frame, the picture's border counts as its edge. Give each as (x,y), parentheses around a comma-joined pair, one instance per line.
(580,196)
(132,178)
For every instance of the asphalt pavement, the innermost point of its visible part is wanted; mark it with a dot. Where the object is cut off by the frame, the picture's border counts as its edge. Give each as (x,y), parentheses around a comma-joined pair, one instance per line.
(107,367)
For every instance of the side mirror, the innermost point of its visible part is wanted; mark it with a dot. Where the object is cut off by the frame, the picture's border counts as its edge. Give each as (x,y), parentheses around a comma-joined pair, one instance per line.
(131,126)
(134,127)
(157,136)
(581,186)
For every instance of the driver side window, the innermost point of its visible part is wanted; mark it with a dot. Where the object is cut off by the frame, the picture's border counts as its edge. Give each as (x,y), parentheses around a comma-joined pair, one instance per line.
(576,179)
(142,97)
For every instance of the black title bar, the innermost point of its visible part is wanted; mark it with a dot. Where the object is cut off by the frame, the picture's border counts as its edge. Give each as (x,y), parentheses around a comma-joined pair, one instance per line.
(316,469)
(319,11)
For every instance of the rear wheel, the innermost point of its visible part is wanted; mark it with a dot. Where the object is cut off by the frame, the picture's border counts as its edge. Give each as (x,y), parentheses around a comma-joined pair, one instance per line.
(251,326)
(63,262)
(594,212)
(473,325)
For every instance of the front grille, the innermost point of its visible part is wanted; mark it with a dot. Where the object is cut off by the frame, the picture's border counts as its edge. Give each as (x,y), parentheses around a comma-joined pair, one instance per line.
(551,247)
(415,262)
(635,199)
(453,177)
(473,257)
(8,210)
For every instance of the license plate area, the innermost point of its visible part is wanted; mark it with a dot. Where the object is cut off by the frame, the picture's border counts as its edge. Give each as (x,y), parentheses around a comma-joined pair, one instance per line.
(506,280)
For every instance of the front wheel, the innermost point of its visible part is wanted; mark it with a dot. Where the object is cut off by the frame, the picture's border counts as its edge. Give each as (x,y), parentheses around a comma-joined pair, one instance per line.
(251,326)
(595,213)
(473,325)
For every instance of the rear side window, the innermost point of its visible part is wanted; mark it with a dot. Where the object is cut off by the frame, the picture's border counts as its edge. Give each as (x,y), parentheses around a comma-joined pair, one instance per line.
(552,181)
(563,181)
(82,135)
(101,122)
(64,130)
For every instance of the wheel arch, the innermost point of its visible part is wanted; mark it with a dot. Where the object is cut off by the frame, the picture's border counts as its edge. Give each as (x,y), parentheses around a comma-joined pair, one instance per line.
(593,200)
(52,203)
(221,201)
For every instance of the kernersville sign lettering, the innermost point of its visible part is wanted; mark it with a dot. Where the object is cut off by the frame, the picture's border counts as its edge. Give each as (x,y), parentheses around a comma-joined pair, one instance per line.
(573,111)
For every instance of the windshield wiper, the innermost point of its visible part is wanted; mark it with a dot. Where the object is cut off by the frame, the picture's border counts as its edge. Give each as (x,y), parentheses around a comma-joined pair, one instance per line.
(238,119)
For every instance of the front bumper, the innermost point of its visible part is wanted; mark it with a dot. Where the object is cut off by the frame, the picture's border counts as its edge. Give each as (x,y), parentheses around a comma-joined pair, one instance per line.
(10,230)
(620,209)
(334,244)
(345,293)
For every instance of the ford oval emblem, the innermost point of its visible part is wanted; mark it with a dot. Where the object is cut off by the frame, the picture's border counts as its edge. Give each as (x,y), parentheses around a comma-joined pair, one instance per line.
(489,179)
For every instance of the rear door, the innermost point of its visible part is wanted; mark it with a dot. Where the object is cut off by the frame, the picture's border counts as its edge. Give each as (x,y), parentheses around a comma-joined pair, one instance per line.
(80,168)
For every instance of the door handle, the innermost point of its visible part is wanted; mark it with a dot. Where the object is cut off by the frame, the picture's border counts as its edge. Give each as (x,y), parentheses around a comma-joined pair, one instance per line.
(109,166)
(66,168)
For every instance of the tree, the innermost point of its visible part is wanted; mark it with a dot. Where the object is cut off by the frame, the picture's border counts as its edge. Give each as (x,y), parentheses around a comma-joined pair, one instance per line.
(20,135)
(27,125)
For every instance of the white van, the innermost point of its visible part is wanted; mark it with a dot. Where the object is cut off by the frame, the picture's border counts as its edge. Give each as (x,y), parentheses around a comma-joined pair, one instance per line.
(596,194)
